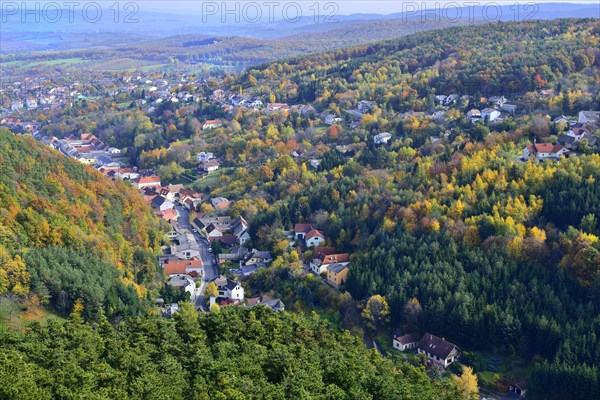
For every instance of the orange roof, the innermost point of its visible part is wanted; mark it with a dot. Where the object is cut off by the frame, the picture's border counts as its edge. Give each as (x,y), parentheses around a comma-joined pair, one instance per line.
(148,179)
(322,251)
(181,266)
(544,148)
(212,121)
(314,233)
(336,258)
(168,215)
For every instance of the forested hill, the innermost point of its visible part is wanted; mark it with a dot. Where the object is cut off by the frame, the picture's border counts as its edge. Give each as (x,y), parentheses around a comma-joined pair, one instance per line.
(69,235)
(235,354)
(491,59)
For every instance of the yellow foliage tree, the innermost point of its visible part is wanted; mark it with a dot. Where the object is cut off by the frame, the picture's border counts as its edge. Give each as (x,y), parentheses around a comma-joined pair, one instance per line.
(467,383)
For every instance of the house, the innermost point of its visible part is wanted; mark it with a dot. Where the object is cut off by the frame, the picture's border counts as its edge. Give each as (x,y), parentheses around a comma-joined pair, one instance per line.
(438,350)
(226,241)
(364,106)
(406,342)
(147,181)
(209,166)
(337,274)
(229,289)
(320,263)
(490,113)
(239,226)
(300,230)
(544,151)
(382,138)
(256,257)
(315,163)
(497,101)
(16,105)
(186,248)
(172,266)
(314,238)
(31,103)
(519,388)
(172,310)
(591,117)
(248,270)
(169,215)
(161,204)
(213,232)
(205,156)
(511,107)
(276,107)
(304,110)
(220,203)
(564,119)
(212,124)
(264,300)
(183,282)
(474,113)
(222,223)
(332,119)
(255,102)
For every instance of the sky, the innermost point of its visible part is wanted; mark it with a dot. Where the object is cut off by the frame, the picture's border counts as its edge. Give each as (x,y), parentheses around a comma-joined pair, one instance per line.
(341,7)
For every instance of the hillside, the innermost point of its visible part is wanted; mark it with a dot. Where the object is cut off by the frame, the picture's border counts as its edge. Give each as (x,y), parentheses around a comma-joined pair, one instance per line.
(68,235)
(236,354)
(482,60)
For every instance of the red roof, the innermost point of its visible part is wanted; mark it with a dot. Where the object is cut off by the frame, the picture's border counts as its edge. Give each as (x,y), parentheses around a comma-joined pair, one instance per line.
(314,233)
(544,148)
(336,258)
(181,266)
(321,251)
(303,228)
(148,179)
(168,215)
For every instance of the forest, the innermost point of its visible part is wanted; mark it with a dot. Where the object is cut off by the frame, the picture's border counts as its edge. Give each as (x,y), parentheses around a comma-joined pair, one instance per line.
(238,353)
(70,236)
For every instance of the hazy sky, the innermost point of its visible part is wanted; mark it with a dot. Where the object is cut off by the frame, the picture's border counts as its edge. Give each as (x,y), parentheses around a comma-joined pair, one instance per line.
(344,7)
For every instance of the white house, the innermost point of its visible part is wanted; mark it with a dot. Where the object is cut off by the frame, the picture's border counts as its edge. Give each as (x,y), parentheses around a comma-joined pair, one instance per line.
(229,289)
(405,342)
(183,282)
(382,138)
(205,156)
(332,119)
(209,166)
(592,117)
(438,350)
(544,151)
(186,248)
(212,124)
(491,113)
(314,238)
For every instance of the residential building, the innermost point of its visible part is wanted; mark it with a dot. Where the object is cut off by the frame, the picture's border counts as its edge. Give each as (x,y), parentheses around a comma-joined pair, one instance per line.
(187,247)
(337,274)
(406,342)
(229,289)
(332,119)
(212,124)
(320,263)
(382,138)
(438,350)
(205,156)
(184,283)
(490,113)
(182,267)
(544,151)
(147,181)
(256,257)
(591,117)
(209,166)
(519,388)
(314,238)
(264,300)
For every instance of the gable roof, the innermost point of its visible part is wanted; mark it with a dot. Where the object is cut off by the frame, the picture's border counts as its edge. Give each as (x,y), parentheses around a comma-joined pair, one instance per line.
(320,252)
(336,258)
(314,233)
(544,148)
(172,267)
(436,346)
(303,228)
(408,338)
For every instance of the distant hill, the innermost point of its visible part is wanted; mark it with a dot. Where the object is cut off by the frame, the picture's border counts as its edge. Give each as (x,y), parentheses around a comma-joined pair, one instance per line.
(69,234)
